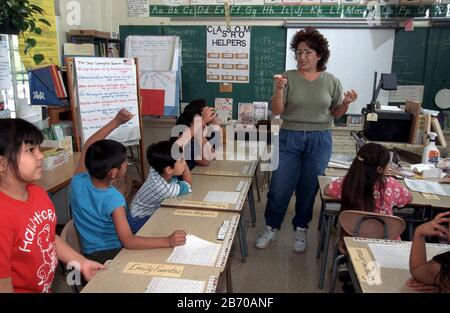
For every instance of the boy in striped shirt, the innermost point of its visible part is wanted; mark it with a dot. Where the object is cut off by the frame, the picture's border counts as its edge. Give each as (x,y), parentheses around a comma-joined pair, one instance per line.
(161,183)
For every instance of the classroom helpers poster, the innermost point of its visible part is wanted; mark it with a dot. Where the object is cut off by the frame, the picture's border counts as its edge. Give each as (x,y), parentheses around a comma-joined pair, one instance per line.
(228,54)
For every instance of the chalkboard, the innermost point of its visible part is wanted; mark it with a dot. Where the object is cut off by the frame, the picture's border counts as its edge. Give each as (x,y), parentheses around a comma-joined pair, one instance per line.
(421,58)
(267,57)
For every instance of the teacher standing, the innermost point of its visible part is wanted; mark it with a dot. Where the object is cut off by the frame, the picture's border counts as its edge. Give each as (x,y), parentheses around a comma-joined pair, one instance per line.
(307,98)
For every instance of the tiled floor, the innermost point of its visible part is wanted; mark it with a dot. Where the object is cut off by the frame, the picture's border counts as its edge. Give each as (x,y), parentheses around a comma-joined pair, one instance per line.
(276,269)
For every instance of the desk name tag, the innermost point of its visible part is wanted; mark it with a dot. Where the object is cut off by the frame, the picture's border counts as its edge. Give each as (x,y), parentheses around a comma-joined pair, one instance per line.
(196,213)
(150,269)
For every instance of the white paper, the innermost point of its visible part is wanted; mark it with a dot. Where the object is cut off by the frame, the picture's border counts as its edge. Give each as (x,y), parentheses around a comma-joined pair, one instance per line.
(139,8)
(166,81)
(395,255)
(105,85)
(340,161)
(222,197)
(174,285)
(403,93)
(390,108)
(195,251)
(425,186)
(5,68)
(228,54)
(155,53)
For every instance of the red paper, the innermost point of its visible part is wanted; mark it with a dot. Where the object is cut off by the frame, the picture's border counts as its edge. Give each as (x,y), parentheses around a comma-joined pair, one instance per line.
(409,25)
(152,101)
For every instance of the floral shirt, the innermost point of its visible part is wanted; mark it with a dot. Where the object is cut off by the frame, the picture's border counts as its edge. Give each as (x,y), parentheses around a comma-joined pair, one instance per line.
(394,194)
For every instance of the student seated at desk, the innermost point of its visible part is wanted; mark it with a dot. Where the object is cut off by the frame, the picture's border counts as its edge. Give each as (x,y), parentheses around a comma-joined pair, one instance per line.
(99,210)
(436,272)
(29,247)
(366,186)
(201,148)
(161,183)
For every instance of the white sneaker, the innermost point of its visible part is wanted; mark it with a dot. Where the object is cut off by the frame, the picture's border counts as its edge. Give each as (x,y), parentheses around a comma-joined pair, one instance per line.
(268,235)
(300,240)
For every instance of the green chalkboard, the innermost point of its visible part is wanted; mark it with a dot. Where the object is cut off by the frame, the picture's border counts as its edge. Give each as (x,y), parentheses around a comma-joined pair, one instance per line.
(421,57)
(267,57)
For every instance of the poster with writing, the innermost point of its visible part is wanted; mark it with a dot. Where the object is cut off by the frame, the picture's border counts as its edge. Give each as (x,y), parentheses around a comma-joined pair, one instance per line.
(5,68)
(161,81)
(228,54)
(224,109)
(138,8)
(155,53)
(105,85)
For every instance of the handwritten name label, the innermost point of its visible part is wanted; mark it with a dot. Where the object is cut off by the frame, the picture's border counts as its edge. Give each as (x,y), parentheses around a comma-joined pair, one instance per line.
(196,213)
(201,204)
(150,269)
(367,270)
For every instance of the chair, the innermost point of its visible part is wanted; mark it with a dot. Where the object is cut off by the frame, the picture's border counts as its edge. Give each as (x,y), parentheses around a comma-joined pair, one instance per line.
(366,225)
(70,235)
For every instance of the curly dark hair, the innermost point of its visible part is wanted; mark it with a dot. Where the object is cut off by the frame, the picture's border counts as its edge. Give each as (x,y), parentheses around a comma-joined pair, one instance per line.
(316,41)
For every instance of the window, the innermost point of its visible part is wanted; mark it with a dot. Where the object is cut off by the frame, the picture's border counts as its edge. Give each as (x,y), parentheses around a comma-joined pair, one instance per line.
(17,98)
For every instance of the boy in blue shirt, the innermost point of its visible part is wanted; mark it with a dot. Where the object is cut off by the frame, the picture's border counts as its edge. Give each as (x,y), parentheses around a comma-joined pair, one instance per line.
(99,210)
(161,183)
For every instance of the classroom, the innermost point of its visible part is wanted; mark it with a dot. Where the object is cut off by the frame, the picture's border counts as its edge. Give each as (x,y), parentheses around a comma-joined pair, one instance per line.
(225,146)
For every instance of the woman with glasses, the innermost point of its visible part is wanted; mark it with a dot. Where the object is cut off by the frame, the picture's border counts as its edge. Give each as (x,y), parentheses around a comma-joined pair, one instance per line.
(307,99)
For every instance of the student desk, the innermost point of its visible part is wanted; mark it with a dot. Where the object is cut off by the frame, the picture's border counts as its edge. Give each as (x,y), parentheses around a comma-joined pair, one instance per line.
(201,223)
(330,209)
(129,275)
(383,265)
(60,176)
(201,185)
(234,169)
(239,150)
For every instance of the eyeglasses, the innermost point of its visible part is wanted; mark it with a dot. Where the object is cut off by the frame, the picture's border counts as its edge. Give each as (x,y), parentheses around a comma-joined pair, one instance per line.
(306,52)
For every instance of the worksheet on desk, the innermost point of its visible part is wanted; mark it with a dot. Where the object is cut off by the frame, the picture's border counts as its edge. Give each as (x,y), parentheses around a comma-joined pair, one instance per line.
(174,285)
(425,186)
(397,255)
(195,251)
(222,197)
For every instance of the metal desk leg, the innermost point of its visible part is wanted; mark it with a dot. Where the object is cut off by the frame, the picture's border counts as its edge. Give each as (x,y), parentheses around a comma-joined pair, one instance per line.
(257,186)
(328,220)
(251,204)
(229,279)
(321,238)
(242,240)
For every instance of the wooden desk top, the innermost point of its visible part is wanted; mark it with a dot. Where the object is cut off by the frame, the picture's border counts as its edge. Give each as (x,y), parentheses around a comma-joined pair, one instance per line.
(238,150)
(60,176)
(202,184)
(390,271)
(227,168)
(418,199)
(115,279)
(201,223)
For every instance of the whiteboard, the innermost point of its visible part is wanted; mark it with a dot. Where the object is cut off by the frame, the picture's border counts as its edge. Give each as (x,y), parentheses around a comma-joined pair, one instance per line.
(355,54)
(104,86)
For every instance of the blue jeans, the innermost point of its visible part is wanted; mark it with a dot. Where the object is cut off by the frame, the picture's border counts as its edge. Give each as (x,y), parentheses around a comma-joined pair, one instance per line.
(303,156)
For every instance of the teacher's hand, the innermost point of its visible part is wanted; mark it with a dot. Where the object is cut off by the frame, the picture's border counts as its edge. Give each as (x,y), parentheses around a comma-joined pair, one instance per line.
(350,96)
(280,81)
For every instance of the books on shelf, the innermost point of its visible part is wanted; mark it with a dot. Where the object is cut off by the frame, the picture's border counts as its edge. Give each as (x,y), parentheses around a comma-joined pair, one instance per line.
(224,109)
(46,86)
(79,49)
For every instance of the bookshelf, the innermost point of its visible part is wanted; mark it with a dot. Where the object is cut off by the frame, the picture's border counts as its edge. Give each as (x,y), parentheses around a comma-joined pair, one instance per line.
(104,43)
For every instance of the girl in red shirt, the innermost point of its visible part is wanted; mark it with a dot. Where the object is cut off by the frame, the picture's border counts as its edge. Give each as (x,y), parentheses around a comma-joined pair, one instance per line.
(29,248)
